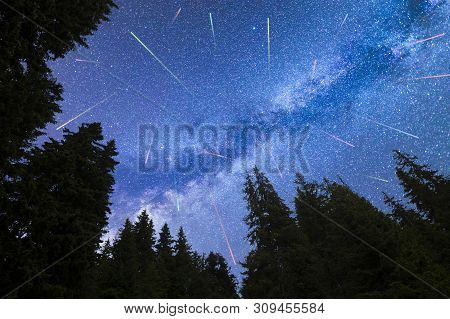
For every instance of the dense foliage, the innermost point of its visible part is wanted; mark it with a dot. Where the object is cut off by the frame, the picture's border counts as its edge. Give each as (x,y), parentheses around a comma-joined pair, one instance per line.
(53,197)
(338,245)
(134,265)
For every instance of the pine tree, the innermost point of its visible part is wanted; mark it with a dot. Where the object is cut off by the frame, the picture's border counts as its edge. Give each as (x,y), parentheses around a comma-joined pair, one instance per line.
(221,283)
(343,266)
(165,262)
(125,263)
(308,197)
(145,237)
(184,271)
(273,236)
(29,92)
(425,188)
(33,33)
(164,245)
(424,239)
(147,278)
(63,200)
(104,274)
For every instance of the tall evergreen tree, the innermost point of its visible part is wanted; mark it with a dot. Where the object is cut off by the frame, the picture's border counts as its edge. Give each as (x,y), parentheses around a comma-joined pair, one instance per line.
(424,243)
(184,271)
(425,188)
(62,206)
(145,237)
(164,245)
(42,31)
(148,285)
(125,263)
(273,236)
(165,262)
(334,219)
(221,283)
(32,33)
(104,272)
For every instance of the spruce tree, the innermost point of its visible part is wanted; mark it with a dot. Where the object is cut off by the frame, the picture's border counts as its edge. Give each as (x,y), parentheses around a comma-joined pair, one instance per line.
(165,262)
(184,271)
(125,263)
(30,94)
(424,243)
(147,277)
(273,236)
(145,237)
(32,33)
(221,283)
(62,206)
(342,263)
(425,188)
(104,274)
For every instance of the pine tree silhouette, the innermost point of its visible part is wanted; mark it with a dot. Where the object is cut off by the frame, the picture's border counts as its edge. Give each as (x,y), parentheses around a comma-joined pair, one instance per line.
(221,283)
(147,280)
(29,100)
(273,236)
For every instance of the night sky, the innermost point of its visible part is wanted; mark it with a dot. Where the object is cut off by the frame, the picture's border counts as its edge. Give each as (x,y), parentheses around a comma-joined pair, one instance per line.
(352,70)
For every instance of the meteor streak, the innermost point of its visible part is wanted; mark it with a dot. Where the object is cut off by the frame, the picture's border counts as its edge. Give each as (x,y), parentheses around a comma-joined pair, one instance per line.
(84,112)
(345,19)
(147,155)
(213,203)
(212,28)
(279,172)
(387,126)
(378,179)
(87,61)
(432,76)
(336,138)
(214,154)
(428,39)
(161,63)
(176,15)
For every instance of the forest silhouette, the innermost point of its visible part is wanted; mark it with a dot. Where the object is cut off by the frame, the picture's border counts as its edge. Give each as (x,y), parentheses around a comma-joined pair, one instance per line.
(54,206)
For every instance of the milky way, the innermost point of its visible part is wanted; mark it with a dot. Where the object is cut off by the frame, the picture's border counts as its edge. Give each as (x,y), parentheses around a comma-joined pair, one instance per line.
(367,73)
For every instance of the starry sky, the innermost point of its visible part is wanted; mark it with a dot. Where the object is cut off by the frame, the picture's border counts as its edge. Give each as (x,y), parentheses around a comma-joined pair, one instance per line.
(354,72)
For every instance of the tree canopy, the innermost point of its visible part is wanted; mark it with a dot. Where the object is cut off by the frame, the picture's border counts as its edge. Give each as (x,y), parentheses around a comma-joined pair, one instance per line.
(344,246)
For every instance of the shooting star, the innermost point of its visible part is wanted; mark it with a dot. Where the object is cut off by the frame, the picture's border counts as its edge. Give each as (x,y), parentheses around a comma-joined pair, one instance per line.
(427,39)
(86,61)
(84,112)
(387,126)
(214,154)
(268,43)
(378,179)
(432,76)
(213,203)
(279,172)
(161,63)
(212,28)
(176,15)
(336,138)
(345,19)
(147,155)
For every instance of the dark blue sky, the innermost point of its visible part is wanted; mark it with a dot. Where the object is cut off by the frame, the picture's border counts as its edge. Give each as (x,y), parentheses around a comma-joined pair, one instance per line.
(367,60)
